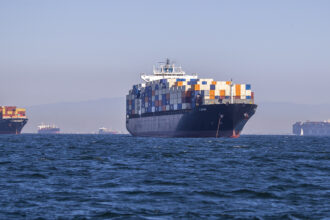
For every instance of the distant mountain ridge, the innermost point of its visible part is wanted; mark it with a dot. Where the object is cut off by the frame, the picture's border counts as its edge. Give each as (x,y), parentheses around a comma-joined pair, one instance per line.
(89,116)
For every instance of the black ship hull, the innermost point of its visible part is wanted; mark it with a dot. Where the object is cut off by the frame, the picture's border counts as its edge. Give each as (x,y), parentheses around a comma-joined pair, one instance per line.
(219,120)
(12,126)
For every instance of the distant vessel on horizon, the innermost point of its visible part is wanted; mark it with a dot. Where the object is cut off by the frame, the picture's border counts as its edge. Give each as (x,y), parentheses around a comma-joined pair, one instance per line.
(104,130)
(48,129)
(311,128)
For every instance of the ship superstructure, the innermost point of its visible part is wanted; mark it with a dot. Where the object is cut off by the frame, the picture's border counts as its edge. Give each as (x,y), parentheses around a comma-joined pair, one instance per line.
(171,103)
(12,119)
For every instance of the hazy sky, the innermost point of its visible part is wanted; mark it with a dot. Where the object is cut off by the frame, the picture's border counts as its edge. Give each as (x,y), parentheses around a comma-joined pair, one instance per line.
(55,51)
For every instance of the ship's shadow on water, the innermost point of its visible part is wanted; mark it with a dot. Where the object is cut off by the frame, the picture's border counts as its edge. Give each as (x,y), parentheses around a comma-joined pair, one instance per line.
(125,177)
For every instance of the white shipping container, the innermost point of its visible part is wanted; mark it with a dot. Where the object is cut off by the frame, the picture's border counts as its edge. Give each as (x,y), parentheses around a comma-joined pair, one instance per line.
(248,92)
(243,89)
(167,107)
(205,87)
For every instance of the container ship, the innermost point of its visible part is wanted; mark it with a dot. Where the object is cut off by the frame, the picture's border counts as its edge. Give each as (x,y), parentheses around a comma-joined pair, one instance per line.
(12,119)
(312,128)
(171,103)
(48,129)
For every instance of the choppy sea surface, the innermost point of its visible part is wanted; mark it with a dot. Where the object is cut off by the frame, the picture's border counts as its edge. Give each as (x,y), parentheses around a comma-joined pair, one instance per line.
(125,177)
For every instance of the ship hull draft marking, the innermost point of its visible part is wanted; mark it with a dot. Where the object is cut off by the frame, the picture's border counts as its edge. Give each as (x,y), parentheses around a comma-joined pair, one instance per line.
(194,123)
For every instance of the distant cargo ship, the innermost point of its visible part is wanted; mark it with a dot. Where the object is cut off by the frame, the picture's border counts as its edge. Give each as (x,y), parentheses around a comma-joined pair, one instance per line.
(106,131)
(172,104)
(48,129)
(12,119)
(311,128)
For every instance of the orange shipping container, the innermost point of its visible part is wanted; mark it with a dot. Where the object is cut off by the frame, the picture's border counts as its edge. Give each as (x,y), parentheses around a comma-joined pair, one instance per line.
(228,83)
(222,92)
(196,87)
(212,92)
(238,89)
(180,83)
(214,82)
(212,97)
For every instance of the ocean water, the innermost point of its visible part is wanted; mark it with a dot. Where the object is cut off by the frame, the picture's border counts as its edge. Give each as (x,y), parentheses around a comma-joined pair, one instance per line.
(124,177)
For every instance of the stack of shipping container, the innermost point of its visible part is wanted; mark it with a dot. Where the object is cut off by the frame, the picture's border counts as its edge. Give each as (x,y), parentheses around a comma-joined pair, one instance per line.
(183,94)
(12,112)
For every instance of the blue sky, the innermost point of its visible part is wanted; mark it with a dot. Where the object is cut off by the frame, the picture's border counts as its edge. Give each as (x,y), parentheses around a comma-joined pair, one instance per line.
(59,51)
